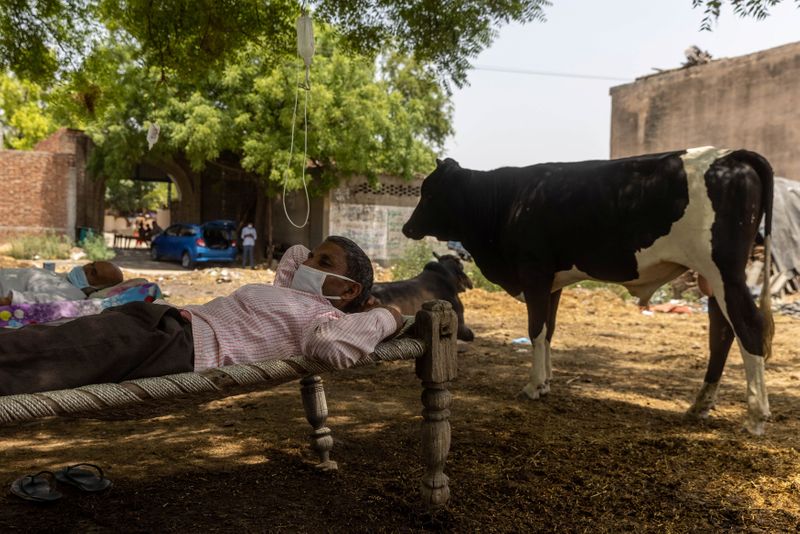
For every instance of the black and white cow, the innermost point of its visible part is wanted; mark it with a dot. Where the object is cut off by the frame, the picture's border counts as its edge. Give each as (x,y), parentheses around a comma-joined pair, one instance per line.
(442,279)
(638,221)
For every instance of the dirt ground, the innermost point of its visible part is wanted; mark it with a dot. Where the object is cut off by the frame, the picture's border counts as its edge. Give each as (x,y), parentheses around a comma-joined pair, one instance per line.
(607,451)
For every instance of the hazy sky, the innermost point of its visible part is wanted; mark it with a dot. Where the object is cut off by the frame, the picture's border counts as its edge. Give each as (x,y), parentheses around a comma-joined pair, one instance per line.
(517,119)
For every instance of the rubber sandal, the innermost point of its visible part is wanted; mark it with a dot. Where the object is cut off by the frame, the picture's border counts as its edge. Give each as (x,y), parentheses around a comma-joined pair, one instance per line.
(84,479)
(40,487)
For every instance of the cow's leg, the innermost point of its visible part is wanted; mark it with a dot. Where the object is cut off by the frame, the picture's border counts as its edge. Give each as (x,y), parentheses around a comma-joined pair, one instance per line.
(537,299)
(463,333)
(747,321)
(555,297)
(720,339)
(748,325)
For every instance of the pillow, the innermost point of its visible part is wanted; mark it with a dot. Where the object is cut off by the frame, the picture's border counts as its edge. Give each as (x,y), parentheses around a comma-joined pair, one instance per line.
(119,288)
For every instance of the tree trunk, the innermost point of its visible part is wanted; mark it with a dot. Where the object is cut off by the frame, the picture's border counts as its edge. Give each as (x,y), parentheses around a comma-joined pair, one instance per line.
(260,223)
(270,243)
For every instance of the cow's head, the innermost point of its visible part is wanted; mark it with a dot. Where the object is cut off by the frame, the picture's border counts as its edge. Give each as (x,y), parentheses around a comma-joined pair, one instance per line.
(435,213)
(456,269)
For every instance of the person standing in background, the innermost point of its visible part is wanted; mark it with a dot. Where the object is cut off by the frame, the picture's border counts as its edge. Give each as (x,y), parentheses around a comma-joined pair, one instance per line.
(249,237)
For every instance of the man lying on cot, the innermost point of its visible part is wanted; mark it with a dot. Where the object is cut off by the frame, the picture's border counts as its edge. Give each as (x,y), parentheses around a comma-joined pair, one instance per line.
(317,307)
(31,285)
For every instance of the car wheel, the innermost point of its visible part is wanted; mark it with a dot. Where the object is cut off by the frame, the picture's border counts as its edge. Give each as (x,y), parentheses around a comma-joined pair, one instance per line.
(186,261)
(154,253)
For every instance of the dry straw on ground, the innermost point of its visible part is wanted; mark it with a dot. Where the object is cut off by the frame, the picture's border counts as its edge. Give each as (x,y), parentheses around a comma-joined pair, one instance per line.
(607,451)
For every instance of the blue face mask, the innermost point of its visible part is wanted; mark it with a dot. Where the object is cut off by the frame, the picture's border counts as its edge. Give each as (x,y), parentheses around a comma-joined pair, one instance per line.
(77,277)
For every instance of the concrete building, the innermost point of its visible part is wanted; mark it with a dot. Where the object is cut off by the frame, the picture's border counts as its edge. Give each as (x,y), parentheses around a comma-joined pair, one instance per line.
(750,101)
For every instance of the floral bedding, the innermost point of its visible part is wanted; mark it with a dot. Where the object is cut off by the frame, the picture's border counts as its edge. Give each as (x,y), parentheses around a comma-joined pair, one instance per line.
(17,315)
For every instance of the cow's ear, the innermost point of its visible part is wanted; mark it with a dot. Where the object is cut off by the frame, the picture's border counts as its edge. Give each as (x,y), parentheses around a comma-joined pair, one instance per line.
(435,255)
(439,162)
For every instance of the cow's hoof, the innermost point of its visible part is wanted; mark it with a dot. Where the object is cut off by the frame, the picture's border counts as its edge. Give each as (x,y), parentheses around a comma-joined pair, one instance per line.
(699,412)
(531,392)
(755,428)
(465,334)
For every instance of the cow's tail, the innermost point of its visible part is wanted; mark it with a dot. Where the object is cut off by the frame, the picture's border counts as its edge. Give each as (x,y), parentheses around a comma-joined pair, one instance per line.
(764,171)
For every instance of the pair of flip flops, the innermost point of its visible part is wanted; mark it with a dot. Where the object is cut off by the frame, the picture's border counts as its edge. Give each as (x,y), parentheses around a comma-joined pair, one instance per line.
(41,487)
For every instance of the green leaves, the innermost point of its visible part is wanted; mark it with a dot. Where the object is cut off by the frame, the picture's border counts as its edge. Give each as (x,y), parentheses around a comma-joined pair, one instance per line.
(758,9)
(23,113)
(47,40)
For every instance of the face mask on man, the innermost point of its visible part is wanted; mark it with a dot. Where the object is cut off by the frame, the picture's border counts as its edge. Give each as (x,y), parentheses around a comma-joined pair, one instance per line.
(77,277)
(310,280)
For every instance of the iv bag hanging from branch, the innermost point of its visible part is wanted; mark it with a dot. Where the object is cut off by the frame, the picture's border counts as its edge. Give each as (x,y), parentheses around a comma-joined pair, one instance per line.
(305,43)
(152,135)
(305,49)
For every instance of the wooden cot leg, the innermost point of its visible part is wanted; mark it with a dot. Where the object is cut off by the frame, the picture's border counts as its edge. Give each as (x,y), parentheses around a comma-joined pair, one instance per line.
(437,326)
(317,413)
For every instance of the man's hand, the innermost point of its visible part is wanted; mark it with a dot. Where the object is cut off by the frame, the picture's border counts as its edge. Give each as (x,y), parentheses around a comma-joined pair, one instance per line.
(398,317)
(373,303)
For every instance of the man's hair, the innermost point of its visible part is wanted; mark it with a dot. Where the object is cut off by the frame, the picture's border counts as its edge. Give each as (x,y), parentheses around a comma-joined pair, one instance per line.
(359,268)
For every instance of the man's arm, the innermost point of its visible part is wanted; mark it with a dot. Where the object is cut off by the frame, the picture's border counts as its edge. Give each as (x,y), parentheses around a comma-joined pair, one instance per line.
(290,261)
(343,341)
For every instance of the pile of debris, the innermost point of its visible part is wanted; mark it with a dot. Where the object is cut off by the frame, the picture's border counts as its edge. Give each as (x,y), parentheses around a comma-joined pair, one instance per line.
(695,56)
(791,309)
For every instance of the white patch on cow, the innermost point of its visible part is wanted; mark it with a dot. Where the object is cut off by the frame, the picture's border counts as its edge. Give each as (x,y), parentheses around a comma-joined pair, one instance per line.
(540,369)
(705,401)
(547,363)
(688,243)
(757,400)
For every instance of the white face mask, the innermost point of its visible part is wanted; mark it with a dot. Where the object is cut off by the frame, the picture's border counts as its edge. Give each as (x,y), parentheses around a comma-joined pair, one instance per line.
(310,280)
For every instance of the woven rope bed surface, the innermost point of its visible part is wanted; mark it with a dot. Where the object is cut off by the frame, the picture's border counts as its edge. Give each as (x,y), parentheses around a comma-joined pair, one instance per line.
(268,372)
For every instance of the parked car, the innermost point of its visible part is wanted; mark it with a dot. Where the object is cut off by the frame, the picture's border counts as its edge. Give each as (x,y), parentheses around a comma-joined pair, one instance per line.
(213,241)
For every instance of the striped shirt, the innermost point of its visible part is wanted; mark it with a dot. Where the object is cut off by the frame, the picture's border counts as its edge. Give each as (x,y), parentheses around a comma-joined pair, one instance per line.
(262,322)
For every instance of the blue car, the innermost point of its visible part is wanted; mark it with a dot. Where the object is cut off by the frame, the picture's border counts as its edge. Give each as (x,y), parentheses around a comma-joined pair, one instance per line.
(196,243)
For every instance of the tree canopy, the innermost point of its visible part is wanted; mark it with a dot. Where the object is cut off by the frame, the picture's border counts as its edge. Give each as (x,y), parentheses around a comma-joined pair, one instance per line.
(365,116)
(40,39)
(22,116)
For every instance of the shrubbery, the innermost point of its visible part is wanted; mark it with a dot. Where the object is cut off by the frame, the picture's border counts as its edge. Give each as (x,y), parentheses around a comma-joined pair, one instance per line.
(416,255)
(478,280)
(48,246)
(94,245)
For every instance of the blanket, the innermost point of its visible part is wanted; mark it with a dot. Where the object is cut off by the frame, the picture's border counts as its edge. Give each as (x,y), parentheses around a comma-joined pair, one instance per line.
(18,315)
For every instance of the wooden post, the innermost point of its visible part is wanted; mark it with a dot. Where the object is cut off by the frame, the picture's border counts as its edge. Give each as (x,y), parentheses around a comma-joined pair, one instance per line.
(436,325)
(317,413)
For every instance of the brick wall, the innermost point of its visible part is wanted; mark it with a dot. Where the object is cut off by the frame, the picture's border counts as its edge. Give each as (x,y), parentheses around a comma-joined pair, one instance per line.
(33,189)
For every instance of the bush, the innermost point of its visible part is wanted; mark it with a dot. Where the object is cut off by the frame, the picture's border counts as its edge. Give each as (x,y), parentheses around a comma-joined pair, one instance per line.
(619,290)
(48,246)
(95,247)
(414,258)
(478,280)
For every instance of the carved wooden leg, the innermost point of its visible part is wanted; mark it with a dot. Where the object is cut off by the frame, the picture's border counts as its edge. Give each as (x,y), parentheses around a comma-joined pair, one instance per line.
(437,325)
(317,413)
(435,443)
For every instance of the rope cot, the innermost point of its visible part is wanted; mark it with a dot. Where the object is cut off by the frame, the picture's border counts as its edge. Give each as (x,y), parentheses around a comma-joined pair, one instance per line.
(433,347)
(14,408)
